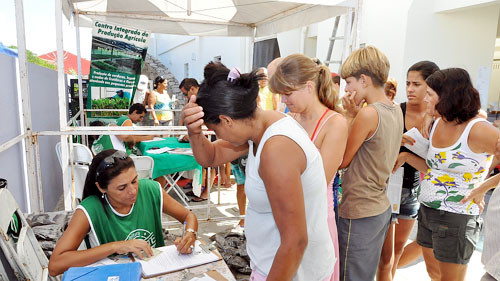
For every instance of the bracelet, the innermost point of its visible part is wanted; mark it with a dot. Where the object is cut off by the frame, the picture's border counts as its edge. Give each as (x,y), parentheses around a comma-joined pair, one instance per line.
(192,231)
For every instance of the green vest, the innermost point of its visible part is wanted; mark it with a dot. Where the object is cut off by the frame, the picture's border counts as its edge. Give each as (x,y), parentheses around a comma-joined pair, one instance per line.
(122,119)
(143,222)
(104,143)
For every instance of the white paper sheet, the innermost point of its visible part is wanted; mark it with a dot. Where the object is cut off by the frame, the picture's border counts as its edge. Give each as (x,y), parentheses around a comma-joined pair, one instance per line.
(421,145)
(170,260)
(155,139)
(159,150)
(394,187)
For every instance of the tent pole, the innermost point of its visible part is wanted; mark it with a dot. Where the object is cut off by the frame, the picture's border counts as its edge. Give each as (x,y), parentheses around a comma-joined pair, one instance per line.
(79,66)
(252,47)
(61,90)
(32,195)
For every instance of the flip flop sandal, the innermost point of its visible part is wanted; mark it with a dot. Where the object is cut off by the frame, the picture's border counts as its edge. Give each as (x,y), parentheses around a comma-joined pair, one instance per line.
(198,199)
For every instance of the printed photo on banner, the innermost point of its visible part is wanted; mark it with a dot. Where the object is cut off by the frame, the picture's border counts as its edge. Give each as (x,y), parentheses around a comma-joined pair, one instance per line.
(117,57)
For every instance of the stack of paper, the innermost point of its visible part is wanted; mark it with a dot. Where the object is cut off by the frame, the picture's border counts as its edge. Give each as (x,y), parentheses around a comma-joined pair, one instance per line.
(421,145)
(170,260)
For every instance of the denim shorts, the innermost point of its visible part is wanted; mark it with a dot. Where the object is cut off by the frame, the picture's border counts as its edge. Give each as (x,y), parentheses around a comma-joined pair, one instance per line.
(453,237)
(408,208)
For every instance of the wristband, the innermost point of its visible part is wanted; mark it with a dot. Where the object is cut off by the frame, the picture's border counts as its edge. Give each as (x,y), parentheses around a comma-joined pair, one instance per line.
(192,231)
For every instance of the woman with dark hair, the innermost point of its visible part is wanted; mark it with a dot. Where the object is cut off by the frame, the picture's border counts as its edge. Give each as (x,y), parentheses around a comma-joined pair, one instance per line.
(119,214)
(461,147)
(286,222)
(160,100)
(307,89)
(414,113)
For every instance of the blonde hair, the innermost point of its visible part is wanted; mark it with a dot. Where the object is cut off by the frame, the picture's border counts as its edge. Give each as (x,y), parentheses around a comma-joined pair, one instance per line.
(295,70)
(369,61)
(391,87)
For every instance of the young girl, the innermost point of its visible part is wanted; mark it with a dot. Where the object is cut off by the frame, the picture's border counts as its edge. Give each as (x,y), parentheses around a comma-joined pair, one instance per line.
(307,89)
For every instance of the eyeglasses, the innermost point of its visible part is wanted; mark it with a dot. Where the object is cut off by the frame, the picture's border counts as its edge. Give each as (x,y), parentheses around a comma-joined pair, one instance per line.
(110,161)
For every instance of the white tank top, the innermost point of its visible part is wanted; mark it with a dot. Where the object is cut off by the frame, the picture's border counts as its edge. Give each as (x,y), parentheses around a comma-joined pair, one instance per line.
(263,236)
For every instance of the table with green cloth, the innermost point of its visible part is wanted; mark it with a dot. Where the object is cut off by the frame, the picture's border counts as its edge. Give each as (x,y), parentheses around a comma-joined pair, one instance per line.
(166,164)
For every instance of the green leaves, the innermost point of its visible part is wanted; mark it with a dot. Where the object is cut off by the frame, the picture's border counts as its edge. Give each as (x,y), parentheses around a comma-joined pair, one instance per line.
(455,198)
(434,204)
(454,165)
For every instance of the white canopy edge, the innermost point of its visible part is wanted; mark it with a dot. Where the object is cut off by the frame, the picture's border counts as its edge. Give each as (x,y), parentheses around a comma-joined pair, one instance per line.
(302,13)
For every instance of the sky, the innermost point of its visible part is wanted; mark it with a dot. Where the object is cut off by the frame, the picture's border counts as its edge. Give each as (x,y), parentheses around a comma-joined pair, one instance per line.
(40,26)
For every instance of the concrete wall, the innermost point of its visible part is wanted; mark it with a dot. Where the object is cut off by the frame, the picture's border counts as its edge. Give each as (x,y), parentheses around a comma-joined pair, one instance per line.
(465,39)
(44,99)
(11,161)
(175,51)
(43,87)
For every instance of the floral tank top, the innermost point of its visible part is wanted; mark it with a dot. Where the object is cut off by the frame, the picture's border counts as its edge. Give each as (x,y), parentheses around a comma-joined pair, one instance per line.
(454,171)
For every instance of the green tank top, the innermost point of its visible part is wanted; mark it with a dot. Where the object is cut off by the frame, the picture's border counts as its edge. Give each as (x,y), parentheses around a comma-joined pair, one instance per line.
(142,222)
(121,119)
(104,142)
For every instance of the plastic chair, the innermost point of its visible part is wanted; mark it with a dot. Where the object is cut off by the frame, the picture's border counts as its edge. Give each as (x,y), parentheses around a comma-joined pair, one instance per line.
(25,256)
(144,166)
(82,157)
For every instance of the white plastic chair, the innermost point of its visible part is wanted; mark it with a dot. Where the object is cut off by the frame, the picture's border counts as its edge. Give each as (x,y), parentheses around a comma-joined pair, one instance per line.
(144,166)
(26,257)
(82,157)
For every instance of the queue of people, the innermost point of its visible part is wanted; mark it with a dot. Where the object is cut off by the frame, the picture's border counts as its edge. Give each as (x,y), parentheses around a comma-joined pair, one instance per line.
(288,167)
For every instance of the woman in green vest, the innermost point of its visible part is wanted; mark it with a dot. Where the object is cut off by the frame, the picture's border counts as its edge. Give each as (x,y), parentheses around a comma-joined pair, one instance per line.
(119,214)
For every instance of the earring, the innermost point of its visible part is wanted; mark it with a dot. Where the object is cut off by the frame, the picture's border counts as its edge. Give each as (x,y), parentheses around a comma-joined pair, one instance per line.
(102,196)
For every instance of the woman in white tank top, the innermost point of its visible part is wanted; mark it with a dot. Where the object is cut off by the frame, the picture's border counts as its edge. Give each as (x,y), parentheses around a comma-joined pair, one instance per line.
(286,222)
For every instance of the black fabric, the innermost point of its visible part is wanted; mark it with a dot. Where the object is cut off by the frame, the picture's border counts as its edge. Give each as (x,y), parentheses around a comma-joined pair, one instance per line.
(411,177)
(264,52)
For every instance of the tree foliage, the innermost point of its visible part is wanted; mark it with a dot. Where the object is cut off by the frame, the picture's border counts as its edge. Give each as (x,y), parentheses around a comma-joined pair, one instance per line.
(33,58)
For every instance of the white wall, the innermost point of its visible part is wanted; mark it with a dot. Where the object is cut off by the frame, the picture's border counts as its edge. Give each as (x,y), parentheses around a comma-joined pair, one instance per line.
(176,50)
(463,39)
(494,95)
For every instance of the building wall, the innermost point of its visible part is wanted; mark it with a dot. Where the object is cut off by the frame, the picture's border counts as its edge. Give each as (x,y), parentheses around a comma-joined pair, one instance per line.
(11,160)
(175,51)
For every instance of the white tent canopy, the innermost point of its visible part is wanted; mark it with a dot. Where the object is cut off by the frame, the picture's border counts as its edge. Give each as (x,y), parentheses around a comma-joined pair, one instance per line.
(208,17)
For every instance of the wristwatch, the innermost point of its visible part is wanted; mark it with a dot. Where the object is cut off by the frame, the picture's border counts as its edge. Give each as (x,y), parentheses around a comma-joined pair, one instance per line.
(192,231)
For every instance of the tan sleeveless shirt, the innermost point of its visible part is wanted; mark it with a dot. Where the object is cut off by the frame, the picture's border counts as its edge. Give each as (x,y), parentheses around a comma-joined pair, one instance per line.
(365,181)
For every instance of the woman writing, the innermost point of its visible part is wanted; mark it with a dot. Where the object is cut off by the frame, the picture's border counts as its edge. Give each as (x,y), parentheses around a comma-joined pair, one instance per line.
(460,153)
(287,236)
(307,90)
(119,214)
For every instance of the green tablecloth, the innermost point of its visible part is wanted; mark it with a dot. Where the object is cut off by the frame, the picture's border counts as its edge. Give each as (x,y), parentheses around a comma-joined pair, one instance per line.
(166,163)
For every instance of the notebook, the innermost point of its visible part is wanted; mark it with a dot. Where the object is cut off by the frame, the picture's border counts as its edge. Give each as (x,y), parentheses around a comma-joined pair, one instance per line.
(170,260)
(112,272)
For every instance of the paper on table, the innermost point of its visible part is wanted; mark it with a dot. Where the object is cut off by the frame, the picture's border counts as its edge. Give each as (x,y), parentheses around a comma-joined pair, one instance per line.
(159,150)
(394,188)
(170,260)
(155,139)
(421,145)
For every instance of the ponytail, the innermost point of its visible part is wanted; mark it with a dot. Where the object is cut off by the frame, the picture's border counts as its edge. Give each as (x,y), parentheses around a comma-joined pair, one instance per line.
(327,93)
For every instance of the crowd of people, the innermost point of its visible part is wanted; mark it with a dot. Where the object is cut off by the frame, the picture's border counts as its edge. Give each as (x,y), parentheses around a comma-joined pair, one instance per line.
(294,147)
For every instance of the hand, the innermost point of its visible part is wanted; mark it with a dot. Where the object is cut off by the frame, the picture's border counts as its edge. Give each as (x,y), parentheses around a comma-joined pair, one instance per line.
(426,126)
(135,246)
(185,244)
(407,140)
(402,157)
(476,196)
(157,123)
(193,115)
(350,106)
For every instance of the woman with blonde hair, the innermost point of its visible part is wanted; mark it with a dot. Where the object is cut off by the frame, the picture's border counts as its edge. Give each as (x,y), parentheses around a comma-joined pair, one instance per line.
(306,87)
(390,88)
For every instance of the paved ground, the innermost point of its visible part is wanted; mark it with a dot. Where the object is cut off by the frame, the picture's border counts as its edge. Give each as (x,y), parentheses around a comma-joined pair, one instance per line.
(228,209)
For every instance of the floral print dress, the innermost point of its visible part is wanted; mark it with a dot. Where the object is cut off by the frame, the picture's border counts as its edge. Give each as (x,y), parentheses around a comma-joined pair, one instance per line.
(453,172)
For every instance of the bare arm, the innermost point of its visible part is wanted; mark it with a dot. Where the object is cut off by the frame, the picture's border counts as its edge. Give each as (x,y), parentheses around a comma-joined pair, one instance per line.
(362,127)
(412,159)
(333,145)
(207,154)
(66,255)
(131,138)
(151,105)
(282,163)
(176,210)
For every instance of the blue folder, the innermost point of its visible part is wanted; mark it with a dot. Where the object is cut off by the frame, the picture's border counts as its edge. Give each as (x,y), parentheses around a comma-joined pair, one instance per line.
(115,272)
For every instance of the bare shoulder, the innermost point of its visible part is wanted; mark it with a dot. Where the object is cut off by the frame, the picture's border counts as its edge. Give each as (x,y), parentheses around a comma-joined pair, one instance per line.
(282,152)
(483,137)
